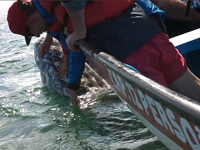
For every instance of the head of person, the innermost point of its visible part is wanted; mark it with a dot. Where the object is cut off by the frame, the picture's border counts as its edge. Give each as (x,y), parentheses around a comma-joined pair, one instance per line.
(24,19)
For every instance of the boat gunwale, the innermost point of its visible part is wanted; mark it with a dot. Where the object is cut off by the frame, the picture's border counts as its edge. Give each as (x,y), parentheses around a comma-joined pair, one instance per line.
(182,105)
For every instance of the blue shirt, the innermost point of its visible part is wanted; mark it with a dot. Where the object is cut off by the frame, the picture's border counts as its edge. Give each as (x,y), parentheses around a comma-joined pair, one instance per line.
(150,8)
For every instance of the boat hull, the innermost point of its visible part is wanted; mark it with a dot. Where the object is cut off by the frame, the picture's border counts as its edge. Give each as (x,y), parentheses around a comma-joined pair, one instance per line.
(172,117)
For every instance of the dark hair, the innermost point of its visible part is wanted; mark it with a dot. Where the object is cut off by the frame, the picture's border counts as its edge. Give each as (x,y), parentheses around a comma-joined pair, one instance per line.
(28,7)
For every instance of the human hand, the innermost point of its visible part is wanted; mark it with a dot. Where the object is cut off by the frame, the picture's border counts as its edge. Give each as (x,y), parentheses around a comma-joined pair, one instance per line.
(71,41)
(73,98)
(63,69)
(44,47)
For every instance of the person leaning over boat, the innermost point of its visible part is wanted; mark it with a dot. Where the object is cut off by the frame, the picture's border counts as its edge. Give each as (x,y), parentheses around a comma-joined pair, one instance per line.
(97,42)
(126,32)
(177,23)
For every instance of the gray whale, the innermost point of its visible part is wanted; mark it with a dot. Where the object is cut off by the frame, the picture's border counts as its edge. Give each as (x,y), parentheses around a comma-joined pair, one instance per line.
(90,82)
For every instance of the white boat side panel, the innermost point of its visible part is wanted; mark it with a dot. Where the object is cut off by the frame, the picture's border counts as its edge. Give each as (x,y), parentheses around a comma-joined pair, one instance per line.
(187,42)
(186,37)
(162,137)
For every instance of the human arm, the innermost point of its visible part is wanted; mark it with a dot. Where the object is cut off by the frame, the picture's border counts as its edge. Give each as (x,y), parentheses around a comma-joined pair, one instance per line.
(63,69)
(44,47)
(76,63)
(73,97)
(76,12)
(76,68)
(175,9)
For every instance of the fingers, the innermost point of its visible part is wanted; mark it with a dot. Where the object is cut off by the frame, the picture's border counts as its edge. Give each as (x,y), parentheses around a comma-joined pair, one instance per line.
(41,51)
(45,46)
(73,47)
(73,98)
(45,51)
(72,43)
(74,101)
(67,31)
(62,71)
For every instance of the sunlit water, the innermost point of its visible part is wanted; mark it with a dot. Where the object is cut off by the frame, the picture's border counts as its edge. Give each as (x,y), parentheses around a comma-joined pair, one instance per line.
(32,117)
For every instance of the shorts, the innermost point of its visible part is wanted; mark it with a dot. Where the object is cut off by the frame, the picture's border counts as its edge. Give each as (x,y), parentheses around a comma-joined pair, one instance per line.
(158,60)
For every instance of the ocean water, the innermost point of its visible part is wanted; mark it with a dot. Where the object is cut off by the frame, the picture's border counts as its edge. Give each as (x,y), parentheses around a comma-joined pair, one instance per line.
(34,118)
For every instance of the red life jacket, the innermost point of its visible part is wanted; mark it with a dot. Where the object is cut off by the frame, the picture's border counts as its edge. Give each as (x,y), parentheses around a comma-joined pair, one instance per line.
(96,12)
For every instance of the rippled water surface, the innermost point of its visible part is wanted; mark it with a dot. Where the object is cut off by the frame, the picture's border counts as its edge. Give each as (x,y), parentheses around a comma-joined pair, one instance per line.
(32,117)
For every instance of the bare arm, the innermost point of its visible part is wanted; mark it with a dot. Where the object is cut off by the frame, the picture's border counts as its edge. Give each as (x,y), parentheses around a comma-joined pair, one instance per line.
(175,9)
(63,69)
(73,98)
(78,20)
(44,47)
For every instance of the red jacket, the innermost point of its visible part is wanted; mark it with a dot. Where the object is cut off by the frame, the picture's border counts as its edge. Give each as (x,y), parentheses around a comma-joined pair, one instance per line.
(96,12)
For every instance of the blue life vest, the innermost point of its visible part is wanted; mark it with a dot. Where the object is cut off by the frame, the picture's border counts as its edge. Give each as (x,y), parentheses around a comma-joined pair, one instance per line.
(150,8)
(48,17)
(77,59)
